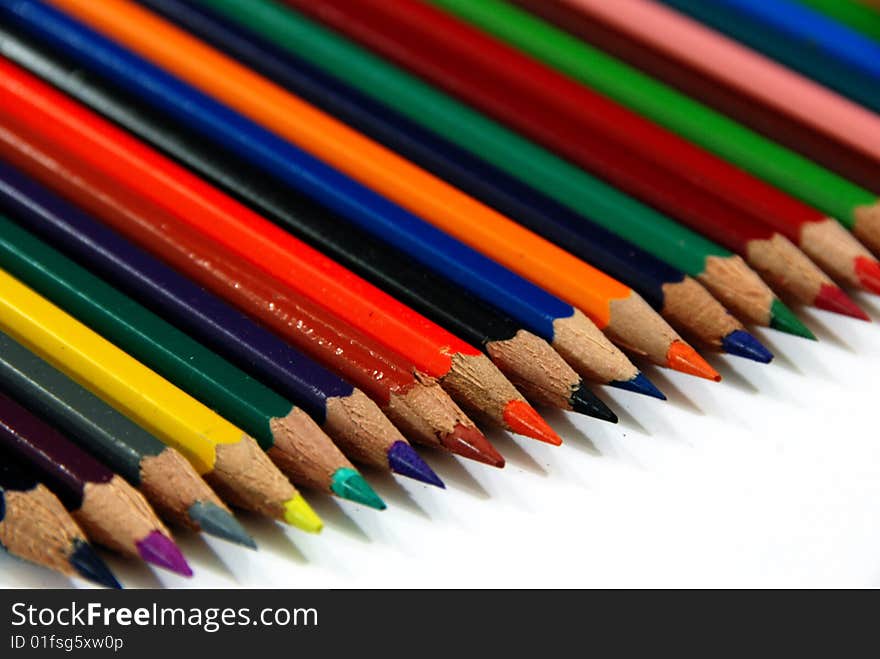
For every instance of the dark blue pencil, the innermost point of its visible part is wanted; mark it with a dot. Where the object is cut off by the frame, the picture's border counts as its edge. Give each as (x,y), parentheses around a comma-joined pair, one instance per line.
(665,288)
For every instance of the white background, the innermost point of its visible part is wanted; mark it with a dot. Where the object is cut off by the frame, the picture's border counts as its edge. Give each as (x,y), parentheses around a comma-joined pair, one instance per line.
(771,478)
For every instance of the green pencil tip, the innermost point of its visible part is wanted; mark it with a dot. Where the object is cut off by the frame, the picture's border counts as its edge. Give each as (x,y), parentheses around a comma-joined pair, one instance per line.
(298,513)
(214,520)
(349,484)
(783,319)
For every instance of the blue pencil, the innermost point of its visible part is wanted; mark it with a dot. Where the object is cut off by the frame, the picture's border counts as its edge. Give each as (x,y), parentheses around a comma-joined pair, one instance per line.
(545,315)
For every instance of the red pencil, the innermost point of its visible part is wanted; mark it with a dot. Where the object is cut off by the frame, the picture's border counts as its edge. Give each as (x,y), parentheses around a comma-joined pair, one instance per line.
(463,370)
(636,155)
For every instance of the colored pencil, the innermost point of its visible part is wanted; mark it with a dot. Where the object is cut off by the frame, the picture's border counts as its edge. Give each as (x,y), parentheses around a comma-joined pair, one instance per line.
(636,155)
(798,176)
(601,297)
(287,434)
(228,459)
(742,83)
(651,278)
(112,512)
(527,360)
(161,474)
(819,48)
(725,275)
(416,403)
(366,433)
(34,526)
(853,14)
(461,368)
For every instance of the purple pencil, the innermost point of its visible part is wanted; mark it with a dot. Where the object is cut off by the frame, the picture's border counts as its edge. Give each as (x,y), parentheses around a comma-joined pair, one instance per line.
(108,509)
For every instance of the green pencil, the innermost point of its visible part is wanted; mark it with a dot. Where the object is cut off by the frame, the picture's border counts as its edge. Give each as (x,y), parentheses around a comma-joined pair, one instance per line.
(725,274)
(290,437)
(852,14)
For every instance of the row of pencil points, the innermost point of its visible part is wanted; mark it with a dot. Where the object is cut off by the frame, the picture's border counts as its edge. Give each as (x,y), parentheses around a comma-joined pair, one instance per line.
(177,273)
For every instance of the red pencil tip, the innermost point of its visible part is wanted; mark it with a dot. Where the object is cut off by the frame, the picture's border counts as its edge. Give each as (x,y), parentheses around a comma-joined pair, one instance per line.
(868,272)
(469,442)
(832,298)
(682,357)
(522,419)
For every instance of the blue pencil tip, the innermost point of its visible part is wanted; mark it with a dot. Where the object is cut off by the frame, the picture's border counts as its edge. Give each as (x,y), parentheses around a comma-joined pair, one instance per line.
(403,460)
(85,560)
(640,385)
(743,344)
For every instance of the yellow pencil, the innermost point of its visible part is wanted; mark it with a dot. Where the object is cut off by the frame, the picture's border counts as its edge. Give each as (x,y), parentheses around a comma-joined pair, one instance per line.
(228,458)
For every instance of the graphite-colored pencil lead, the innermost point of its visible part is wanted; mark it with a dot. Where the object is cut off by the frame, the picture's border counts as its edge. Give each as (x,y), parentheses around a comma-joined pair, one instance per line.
(639,384)
(350,485)
(161,551)
(213,520)
(586,402)
(404,460)
(783,319)
(683,358)
(85,560)
(743,344)
(298,513)
(832,298)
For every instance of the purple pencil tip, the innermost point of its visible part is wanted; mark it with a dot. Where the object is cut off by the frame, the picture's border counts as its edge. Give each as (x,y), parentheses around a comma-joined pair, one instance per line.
(404,460)
(161,551)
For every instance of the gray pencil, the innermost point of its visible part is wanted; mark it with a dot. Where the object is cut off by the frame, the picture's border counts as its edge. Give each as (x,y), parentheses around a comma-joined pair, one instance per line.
(162,475)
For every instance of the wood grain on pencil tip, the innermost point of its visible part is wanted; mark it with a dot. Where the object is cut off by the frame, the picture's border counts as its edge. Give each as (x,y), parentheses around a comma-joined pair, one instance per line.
(35,526)
(111,511)
(162,475)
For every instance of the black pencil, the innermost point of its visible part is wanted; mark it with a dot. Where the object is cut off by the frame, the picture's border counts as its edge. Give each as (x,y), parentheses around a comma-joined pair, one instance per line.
(112,512)
(163,476)
(35,526)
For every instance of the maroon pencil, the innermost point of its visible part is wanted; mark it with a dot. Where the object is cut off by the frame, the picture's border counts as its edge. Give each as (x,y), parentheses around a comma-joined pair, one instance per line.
(109,510)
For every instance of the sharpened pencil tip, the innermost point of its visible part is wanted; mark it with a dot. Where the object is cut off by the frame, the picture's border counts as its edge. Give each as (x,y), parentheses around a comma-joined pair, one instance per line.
(213,520)
(832,298)
(584,401)
(349,484)
(160,550)
(640,384)
(85,560)
(403,460)
(783,319)
(743,344)
(298,513)
(685,359)
(868,272)
(469,442)
(522,419)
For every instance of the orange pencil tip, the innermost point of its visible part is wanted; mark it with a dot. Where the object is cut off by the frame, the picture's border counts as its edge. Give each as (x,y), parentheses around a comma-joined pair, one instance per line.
(868,272)
(522,419)
(682,357)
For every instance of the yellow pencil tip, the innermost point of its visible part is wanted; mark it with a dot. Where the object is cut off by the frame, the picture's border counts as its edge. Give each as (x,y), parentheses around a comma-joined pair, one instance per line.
(298,513)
